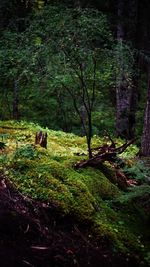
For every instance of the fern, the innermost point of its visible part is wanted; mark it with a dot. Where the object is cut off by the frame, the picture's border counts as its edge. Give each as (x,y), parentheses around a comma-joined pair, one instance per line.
(2,145)
(26,151)
(138,171)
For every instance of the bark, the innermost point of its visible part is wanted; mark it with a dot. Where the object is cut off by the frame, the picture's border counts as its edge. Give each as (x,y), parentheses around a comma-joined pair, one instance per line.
(108,153)
(133,106)
(77,4)
(132,36)
(145,142)
(122,98)
(16,101)
(105,153)
(126,94)
(132,21)
(89,137)
(120,28)
(41,139)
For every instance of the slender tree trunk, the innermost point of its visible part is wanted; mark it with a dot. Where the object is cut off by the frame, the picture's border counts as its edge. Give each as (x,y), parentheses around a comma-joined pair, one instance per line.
(6,111)
(132,37)
(89,136)
(132,21)
(145,142)
(77,4)
(16,101)
(133,107)
(122,94)
(126,93)
(120,27)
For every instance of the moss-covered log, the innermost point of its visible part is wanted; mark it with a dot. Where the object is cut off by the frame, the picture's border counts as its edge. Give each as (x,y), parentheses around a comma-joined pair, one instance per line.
(108,153)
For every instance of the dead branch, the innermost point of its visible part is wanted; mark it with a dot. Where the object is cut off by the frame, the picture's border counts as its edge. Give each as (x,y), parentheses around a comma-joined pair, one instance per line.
(104,153)
(122,148)
(109,153)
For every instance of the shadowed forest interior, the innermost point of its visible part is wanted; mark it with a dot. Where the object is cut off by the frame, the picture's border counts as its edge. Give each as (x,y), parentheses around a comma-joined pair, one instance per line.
(74,133)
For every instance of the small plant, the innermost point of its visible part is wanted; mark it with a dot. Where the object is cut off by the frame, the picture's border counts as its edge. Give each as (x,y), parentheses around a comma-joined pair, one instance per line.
(3,159)
(27,151)
(138,171)
(2,145)
(135,193)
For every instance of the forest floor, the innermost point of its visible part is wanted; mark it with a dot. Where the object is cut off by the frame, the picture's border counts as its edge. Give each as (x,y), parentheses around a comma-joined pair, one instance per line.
(52,215)
(32,233)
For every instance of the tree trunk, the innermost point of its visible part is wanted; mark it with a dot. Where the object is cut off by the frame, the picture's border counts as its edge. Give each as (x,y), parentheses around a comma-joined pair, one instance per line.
(89,137)
(126,93)
(16,101)
(132,37)
(122,103)
(132,29)
(145,142)
(77,4)
(133,106)
(41,139)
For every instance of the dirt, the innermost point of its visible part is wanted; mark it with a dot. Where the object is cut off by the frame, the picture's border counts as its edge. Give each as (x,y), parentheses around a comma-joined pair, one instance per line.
(34,234)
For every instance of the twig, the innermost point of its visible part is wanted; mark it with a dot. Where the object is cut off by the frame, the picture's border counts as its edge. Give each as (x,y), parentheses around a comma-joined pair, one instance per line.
(28,263)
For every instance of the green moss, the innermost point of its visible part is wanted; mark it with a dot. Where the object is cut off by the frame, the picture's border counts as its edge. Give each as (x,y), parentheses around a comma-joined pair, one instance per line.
(52,182)
(90,195)
(99,185)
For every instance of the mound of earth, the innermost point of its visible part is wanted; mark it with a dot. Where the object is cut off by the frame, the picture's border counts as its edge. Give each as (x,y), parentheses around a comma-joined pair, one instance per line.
(35,234)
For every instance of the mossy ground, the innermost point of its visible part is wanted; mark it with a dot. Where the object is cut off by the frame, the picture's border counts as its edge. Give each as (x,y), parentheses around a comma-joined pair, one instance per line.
(87,194)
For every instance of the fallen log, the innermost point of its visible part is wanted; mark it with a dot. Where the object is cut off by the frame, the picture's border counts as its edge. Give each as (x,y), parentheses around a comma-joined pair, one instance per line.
(96,160)
(109,153)
(104,153)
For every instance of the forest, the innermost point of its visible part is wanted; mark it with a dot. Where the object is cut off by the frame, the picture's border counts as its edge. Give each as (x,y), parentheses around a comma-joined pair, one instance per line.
(74,133)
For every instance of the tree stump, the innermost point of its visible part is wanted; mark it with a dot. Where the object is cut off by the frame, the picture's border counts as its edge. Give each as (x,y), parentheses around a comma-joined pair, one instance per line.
(41,139)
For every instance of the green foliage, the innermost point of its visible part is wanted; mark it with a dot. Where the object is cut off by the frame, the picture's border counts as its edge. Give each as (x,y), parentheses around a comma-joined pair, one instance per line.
(3,160)
(27,151)
(47,58)
(138,171)
(134,194)
(103,119)
(2,145)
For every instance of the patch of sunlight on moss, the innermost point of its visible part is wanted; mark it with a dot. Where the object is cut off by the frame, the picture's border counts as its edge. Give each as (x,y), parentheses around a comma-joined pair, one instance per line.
(13,124)
(50,181)
(97,141)
(64,148)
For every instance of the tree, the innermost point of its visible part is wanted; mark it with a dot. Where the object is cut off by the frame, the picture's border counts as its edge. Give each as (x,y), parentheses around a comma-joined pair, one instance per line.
(126,87)
(61,47)
(84,98)
(145,142)
(122,92)
(83,44)
(16,62)
(73,47)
